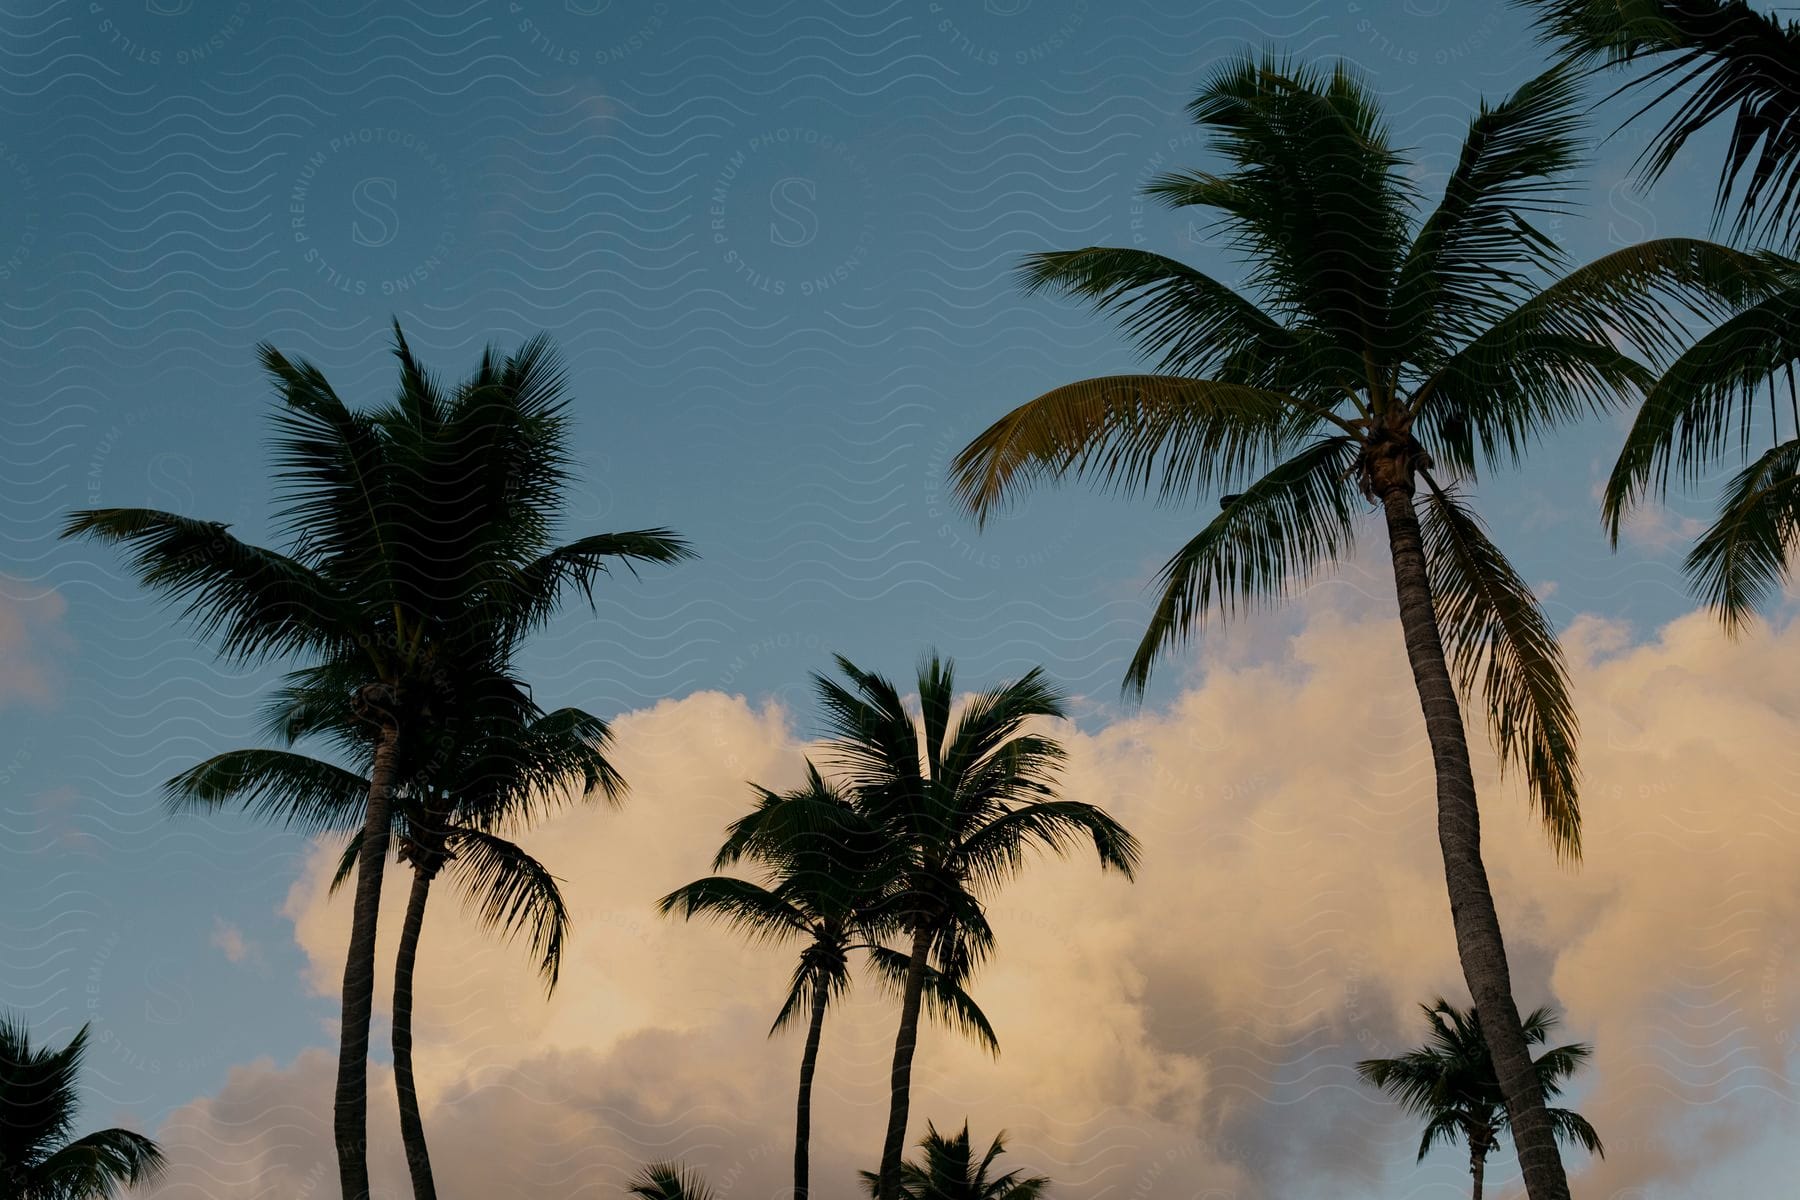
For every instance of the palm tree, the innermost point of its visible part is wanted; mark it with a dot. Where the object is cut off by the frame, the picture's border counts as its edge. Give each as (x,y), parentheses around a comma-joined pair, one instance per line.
(1375,349)
(1720,59)
(1450,1083)
(38,1161)
(668,1181)
(960,798)
(826,872)
(494,770)
(950,1172)
(413,532)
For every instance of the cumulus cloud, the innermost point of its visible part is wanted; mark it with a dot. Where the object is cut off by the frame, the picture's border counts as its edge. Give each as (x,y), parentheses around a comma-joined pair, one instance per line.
(1192,1035)
(30,634)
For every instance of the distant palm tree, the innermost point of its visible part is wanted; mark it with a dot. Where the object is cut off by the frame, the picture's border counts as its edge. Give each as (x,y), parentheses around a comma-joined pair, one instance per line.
(960,796)
(38,1159)
(1712,60)
(668,1181)
(414,531)
(492,769)
(950,1172)
(1379,347)
(1450,1083)
(826,872)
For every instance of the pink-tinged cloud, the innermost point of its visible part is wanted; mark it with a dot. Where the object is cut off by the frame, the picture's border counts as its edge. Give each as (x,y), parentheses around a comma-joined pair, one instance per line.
(31,638)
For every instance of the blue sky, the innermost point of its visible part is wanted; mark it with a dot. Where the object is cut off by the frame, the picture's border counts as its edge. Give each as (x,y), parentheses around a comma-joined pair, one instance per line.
(774,243)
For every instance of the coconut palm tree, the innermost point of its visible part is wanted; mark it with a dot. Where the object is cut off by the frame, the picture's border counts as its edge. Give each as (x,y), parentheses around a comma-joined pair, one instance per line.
(1449,1082)
(38,1159)
(950,1172)
(1380,355)
(959,797)
(413,531)
(1707,61)
(826,872)
(495,768)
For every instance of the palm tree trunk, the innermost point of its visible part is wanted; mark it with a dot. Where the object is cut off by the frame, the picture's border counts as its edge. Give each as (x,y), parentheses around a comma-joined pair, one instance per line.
(1478,941)
(1477,1164)
(350,1123)
(412,1128)
(803,1118)
(888,1180)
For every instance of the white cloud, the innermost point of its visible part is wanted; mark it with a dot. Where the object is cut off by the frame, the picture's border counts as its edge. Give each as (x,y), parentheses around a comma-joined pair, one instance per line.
(1192,1033)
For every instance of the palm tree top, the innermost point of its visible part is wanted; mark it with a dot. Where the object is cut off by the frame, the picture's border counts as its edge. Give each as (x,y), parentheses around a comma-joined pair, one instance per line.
(1450,1080)
(950,1171)
(39,1157)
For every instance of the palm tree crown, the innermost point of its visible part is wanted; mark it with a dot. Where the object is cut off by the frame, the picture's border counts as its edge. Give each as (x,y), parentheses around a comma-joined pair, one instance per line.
(1450,1083)
(39,1158)
(952,1172)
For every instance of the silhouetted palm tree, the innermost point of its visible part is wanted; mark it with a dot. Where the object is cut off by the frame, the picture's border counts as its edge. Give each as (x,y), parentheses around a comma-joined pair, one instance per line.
(826,874)
(414,531)
(1379,347)
(1450,1083)
(960,796)
(39,1159)
(494,768)
(950,1172)
(668,1181)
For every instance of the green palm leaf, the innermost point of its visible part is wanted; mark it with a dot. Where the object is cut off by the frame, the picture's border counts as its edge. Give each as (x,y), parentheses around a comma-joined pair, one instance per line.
(1503,649)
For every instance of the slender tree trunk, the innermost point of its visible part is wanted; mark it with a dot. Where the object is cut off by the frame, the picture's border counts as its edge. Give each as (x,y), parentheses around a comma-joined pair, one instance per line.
(412,1128)
(803,1116)
(1478,941)
(1477,1164)
(888,1179)
(351,1109)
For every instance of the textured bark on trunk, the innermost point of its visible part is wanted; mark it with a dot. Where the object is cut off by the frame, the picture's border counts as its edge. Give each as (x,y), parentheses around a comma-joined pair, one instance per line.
(1478,940)
(888,1180)
(412,1127)
(803,1116)
(350,1116)
(1477,1164)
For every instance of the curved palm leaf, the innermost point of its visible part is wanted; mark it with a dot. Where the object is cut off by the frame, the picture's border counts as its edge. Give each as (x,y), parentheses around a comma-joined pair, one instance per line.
(1743,557)
(512,892)
(278,785)
(1722,59)
(1168,434)
(1279,531)
(1497,636)
(668,1181)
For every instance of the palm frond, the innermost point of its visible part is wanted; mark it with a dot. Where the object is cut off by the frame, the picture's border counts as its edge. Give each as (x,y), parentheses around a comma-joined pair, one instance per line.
(744,907)
(1276,533)
(1500,642)
(279,785)
(95,1165)
(1171,435)
(1743,557)
(257,603)
(1705,401)
(997,849)
(1317,205)
(668,1181)
(510,891)
(1477,250)
(945,1000)
(1723,60)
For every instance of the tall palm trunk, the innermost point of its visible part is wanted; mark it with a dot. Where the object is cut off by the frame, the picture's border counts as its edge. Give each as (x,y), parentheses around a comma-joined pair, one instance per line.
(888,1180)
(803,1117)
(350,1118)
(1477,1165)
(1478,941)
(412,1127)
